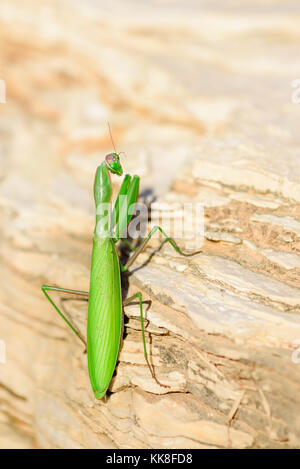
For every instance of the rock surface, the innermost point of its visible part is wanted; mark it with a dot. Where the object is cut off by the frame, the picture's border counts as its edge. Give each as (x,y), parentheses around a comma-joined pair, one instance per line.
(199,96)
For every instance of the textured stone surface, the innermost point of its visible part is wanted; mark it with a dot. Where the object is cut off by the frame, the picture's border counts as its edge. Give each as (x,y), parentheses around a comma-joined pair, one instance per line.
(198,95)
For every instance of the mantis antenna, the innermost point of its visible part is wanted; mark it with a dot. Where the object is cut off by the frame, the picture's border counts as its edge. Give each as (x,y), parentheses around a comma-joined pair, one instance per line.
(112,141)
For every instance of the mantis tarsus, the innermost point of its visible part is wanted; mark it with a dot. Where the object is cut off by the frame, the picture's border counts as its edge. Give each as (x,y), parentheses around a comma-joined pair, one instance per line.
(105,315)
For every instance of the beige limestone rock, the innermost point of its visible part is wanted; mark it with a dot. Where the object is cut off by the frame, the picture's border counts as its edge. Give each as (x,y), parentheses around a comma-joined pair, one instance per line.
(198,95)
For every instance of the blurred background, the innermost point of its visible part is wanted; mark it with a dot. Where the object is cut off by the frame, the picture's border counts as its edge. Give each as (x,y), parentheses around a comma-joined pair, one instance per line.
(198,94)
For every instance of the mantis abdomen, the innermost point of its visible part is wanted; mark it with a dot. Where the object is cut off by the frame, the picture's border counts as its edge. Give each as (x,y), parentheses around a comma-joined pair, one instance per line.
(104,315)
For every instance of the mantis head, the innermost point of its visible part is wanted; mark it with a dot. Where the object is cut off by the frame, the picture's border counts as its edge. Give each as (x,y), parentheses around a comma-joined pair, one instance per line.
(113,163)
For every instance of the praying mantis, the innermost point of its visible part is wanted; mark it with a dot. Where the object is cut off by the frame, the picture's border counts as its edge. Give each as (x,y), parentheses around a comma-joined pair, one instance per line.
(105,312)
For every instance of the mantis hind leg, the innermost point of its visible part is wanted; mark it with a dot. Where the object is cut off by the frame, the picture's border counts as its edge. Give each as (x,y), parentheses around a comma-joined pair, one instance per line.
(139,295)
(140,298)
(46,288)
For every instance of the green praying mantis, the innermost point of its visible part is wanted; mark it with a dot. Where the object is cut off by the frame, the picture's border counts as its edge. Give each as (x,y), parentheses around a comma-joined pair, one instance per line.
(105,312)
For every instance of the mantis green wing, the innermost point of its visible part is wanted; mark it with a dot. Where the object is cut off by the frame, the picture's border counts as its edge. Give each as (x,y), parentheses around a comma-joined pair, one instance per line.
(104,325)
